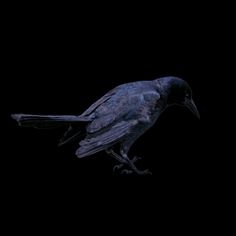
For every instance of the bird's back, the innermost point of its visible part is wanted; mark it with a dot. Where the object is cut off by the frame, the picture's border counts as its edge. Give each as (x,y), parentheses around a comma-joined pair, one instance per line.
(122,92)
(117,104)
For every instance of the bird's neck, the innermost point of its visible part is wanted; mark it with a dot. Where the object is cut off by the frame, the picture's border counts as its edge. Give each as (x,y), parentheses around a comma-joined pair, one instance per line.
(166,89)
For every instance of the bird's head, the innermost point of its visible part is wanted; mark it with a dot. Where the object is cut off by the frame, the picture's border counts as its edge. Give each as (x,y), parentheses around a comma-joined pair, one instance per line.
(178,92)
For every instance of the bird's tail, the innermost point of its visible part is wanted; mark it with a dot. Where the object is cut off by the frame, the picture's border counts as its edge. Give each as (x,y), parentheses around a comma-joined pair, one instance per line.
(47,121)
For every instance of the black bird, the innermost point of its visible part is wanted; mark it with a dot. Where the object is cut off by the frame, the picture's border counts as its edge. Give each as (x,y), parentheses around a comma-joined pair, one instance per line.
(120,116)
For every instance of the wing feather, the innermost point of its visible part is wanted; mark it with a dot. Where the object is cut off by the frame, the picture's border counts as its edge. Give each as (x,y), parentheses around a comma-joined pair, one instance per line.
(99,102)
(91,145)
(126,107)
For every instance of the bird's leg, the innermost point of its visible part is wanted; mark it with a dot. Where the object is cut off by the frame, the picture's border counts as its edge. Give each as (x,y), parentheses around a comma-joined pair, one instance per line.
(125,147)
(124,160)
(115,155)
(134,159)
(121,160)
(132,166)
(118,158)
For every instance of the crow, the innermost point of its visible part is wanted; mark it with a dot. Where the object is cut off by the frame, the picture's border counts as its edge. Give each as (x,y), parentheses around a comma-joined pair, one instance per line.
(121,116)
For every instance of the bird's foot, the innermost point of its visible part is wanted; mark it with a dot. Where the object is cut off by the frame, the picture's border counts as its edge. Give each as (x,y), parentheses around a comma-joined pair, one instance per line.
(144,172)
(126,172)
(117,167)
(139,172)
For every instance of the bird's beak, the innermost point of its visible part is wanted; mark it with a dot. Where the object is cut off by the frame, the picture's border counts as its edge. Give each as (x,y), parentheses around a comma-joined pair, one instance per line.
(189,103)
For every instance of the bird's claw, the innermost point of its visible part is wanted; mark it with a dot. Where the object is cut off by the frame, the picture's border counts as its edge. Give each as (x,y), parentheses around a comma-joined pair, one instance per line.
(127,172)
(145,172)
(117,167)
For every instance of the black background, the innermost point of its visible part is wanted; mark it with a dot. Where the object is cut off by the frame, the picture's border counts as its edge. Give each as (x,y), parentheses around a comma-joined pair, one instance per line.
(59,62)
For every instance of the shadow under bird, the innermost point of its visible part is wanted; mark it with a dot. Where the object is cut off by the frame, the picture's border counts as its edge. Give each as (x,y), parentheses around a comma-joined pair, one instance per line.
(119,117)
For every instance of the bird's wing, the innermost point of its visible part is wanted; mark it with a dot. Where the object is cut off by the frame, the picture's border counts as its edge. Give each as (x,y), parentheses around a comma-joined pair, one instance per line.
(91,145)
(126,107)
(107,132)
(99,102)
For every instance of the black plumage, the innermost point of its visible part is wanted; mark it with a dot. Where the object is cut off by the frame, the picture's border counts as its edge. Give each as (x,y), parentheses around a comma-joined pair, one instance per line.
(120,116)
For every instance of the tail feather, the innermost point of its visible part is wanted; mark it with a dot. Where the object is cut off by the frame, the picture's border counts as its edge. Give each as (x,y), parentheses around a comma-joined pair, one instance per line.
(47,121)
